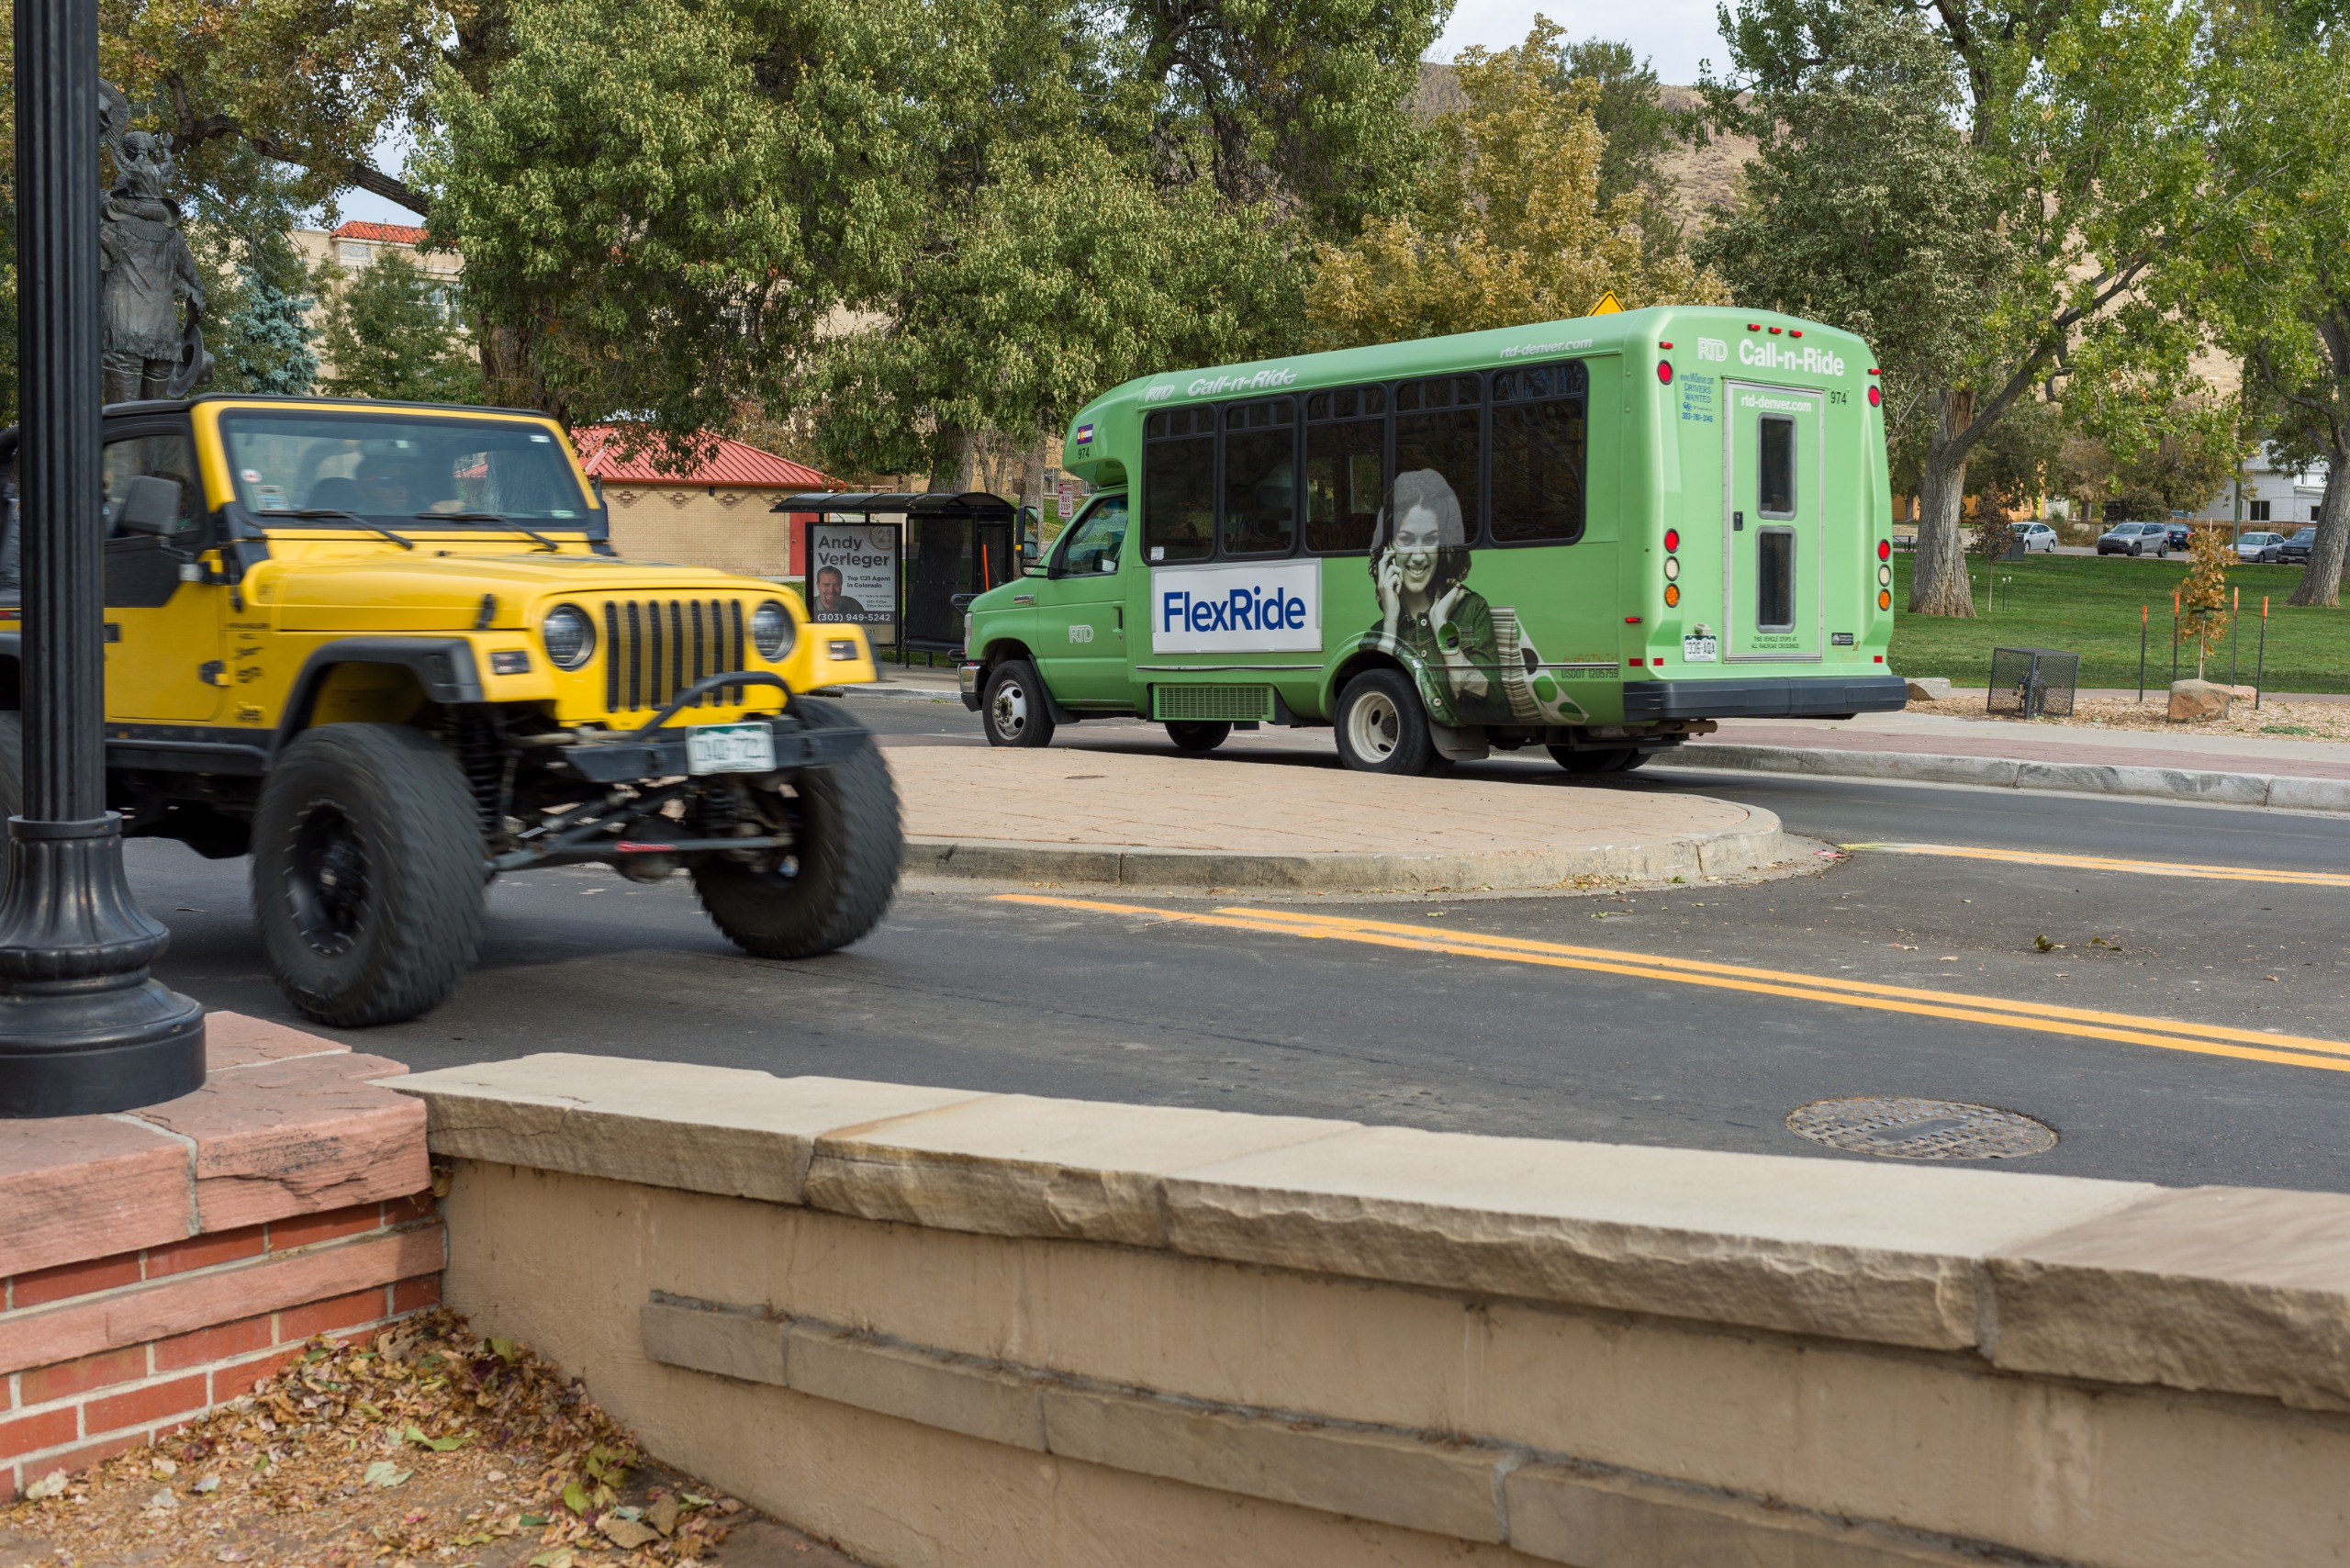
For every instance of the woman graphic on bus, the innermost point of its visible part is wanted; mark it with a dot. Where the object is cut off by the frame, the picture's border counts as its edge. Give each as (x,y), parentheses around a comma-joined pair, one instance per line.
(1419,567)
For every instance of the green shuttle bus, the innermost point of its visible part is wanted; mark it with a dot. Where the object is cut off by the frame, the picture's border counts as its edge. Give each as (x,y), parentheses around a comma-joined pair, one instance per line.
(1598,536)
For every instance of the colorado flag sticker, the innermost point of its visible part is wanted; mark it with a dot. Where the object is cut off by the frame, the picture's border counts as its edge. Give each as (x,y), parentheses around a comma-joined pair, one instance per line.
(1084,434)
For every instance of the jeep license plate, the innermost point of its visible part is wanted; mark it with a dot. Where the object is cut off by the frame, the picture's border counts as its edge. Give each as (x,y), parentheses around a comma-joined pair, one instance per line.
(729,748)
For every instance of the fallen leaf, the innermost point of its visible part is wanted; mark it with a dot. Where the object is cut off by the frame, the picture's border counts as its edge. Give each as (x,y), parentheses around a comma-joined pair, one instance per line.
(166,1467)
(384,1472)
(163,1499)
(662,1515)
(229,1554)
(49,1485)
(1905,946)
(437,1445)
(626,1534)
(209,1483)
(574,1497)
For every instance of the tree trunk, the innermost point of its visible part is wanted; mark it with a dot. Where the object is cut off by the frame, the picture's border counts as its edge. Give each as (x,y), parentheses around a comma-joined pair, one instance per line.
(1939,584)
(2321,584)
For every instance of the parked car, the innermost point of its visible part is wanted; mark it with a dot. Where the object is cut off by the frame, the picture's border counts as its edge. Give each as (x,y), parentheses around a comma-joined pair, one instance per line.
(2134,539)
(2036,536)
(2295,551)
(2177,534)
(2258,547)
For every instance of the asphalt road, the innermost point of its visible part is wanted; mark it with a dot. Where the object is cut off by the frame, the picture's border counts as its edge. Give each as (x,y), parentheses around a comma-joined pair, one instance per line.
(1594,1025)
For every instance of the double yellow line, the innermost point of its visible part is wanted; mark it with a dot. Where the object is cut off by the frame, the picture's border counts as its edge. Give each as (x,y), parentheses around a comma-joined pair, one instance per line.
(2186,869)
(2079,1023)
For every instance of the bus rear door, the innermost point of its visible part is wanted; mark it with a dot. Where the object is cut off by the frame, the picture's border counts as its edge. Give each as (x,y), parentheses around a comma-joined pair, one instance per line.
(1773,532)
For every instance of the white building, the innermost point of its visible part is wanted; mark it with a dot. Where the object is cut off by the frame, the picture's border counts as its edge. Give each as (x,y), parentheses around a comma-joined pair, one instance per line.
(2278,499)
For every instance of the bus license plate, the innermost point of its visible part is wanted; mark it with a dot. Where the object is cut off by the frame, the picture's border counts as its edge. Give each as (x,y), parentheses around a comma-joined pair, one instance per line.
(729,748)
(1701,648)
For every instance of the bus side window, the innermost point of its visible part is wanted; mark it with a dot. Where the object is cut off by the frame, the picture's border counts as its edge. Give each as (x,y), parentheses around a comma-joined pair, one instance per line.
(1346,468)
(1776,469)
(1538,441)
(1439,425)
(1178,486)
(1259,477)
(1095,543)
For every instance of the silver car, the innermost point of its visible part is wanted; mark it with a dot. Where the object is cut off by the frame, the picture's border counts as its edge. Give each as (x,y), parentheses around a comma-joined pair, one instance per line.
(2134,539)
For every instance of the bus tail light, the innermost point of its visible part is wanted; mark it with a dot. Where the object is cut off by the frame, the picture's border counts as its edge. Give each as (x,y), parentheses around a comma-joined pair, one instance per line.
(1884,549)
(1672,539)
(1876,395)
(1665,371)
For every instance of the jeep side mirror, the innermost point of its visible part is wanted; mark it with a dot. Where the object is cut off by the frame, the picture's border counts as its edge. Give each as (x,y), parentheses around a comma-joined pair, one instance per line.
(151,504)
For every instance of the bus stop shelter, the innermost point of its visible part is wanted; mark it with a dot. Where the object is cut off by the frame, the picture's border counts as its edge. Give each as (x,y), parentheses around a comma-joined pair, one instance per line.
(957,546)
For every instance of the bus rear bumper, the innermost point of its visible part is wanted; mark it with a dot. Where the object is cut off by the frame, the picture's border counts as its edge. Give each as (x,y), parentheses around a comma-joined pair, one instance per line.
(1769,697)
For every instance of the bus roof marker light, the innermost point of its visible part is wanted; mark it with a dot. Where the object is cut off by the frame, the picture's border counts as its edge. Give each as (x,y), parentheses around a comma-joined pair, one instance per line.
(1754,326)
(1665,371)
(1794,331)
(1776,330)
(1664,345)
(1632,621)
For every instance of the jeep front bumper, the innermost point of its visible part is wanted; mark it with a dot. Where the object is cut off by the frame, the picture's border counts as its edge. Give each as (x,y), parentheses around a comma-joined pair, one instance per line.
(627,759)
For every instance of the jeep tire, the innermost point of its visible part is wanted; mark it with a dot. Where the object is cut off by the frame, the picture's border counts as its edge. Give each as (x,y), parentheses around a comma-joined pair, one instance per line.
(1381,726)
(1199,736)
(367,873)
(834,884)
(1015,711)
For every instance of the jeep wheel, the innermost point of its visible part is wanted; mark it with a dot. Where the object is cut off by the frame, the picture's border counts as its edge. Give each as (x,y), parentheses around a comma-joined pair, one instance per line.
(1014,710)
(1381,726)
(1198,735)
(834,883)
(367,873)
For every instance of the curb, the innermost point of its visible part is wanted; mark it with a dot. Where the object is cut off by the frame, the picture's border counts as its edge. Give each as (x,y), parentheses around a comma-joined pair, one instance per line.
(869,688)
(2010,773)
(1758,844)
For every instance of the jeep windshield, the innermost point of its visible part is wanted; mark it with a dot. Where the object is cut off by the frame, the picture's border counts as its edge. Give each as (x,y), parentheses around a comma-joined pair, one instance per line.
(397,471)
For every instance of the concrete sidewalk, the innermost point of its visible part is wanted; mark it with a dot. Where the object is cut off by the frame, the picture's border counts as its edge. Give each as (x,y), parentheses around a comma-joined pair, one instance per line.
(1084,815)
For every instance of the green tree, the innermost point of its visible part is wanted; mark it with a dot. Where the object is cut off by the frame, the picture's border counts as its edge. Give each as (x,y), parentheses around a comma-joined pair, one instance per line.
(1517,233)
(2278,269)
(1635,131)
(390,333)
(1998,198)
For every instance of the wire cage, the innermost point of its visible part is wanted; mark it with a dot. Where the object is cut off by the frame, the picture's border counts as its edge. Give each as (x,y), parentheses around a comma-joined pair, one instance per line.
(2032,683)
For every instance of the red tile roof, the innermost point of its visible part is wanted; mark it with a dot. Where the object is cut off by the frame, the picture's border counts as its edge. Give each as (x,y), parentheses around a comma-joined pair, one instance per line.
(382,233)
(733,463)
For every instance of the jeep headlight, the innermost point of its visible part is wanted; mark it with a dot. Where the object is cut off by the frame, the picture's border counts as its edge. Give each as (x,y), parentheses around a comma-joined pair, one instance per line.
(570,637)
(772,631)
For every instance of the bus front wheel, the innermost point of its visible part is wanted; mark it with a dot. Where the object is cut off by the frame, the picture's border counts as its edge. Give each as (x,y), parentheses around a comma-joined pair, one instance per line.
(1014,711)
(1382,728)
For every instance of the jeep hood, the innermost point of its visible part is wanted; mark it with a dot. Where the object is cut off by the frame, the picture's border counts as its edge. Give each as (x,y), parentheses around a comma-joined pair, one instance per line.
(444,593)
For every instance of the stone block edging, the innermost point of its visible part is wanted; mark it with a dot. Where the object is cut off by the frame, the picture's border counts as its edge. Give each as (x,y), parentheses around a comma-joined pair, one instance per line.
(2120,1282)
(2284,791)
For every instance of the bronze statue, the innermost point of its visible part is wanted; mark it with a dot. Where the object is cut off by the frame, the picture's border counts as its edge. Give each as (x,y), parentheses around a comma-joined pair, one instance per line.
(147,268)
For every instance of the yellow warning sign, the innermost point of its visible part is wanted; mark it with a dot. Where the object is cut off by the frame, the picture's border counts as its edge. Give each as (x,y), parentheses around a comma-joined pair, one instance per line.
(1608,304)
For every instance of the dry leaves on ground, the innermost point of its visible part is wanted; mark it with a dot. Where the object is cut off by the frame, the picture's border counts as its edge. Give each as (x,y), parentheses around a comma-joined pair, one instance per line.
(2274,720)
(421,1446)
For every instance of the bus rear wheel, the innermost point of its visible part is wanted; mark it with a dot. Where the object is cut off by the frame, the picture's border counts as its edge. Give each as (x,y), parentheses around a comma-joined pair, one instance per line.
(1200,735)
(1614,759)
(1014,712)
(1382,728)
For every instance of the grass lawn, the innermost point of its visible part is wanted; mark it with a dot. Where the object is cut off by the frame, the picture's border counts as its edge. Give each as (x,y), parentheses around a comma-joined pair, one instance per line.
(2088,605)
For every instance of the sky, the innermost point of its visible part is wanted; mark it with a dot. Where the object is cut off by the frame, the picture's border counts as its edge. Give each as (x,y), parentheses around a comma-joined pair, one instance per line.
(1672,35)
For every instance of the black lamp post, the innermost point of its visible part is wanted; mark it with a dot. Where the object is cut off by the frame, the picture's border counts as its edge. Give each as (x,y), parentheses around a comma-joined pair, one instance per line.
(82,1028)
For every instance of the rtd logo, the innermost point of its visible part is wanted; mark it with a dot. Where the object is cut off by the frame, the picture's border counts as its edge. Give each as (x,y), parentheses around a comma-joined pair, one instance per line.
(1249,608)
(1779,356)
(1712,348)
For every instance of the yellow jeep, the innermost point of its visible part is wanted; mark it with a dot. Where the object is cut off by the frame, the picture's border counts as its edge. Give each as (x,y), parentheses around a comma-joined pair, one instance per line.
(384,649)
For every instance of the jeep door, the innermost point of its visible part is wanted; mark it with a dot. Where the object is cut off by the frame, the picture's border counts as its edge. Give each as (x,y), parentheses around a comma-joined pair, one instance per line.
(163,655)
(1081,641)
(1772,546)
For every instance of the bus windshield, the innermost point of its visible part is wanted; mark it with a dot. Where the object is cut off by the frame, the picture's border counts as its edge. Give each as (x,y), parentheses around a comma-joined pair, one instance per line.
(389,470)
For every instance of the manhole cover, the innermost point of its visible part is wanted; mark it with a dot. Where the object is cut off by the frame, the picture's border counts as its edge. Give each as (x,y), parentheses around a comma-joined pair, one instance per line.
(1920,1129)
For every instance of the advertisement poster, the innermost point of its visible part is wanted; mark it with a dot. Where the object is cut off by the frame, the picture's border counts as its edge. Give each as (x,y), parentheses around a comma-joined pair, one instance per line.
(853,575)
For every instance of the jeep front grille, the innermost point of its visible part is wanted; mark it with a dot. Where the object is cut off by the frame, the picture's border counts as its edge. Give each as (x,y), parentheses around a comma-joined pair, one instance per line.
(655,648)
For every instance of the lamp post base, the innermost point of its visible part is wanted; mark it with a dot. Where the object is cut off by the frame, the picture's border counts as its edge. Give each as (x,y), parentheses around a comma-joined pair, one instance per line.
(84,1029)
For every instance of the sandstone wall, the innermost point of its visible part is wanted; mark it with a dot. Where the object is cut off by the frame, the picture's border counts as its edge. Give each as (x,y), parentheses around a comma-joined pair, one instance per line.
(943,1327)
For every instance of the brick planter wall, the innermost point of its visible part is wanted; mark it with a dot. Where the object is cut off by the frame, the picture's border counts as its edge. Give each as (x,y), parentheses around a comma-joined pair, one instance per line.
(159,1262)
